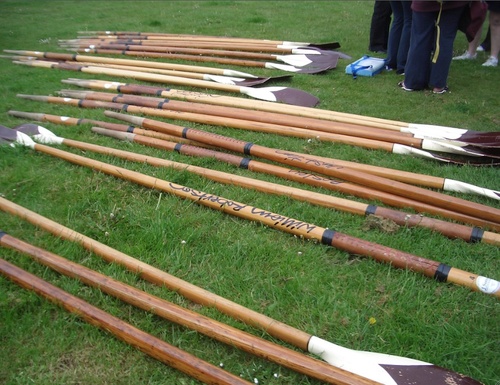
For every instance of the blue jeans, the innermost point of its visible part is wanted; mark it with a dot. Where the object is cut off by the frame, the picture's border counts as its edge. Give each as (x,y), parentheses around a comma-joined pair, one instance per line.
(399,35)
(420,72)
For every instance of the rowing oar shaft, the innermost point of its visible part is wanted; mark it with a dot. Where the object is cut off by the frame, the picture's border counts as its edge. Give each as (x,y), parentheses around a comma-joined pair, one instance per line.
(152,346)
(451,230)
(312,163)
(70,121)
(220,120)
(293,360)
(131,62)
(159,277)
(286,224)
(242,114)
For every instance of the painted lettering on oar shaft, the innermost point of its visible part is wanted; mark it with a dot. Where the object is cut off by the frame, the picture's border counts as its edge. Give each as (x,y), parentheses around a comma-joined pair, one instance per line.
(278,219)
(305,175)
(202,196)
(302,159)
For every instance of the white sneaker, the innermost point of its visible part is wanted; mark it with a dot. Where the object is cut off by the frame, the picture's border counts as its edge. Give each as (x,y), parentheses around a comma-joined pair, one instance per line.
(465,56)
(480,48)
(491,62)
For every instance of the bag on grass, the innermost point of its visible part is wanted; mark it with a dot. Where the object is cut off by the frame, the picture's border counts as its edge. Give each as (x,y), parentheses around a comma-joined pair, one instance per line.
(366,66)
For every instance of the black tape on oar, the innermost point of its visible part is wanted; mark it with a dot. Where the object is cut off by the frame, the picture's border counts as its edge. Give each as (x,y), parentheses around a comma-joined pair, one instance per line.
(327,237)
(2,233)
(247,148)
(442,272)
(245,162)
(178,147)
(130,129)
(476,235)
(370,210)
(125,107)
(185,131)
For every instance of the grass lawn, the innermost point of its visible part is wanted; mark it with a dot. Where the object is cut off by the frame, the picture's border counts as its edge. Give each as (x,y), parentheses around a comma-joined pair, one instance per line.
(351,300)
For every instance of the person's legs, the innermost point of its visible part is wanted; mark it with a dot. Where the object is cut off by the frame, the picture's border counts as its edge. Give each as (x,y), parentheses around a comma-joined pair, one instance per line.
(379,28)
(404,44)
(394,34)
(419,55)
(495,39)
(448,31)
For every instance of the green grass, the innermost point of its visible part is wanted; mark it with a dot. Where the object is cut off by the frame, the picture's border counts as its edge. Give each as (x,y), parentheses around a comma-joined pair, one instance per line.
(316,288)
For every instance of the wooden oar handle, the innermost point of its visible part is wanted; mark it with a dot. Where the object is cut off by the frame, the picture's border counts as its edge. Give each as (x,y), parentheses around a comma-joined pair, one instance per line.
(150,345)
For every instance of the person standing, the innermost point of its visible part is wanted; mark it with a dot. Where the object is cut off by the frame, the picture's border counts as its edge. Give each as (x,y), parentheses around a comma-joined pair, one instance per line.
(379,27)
(399,36)
(494,31)
(433,32)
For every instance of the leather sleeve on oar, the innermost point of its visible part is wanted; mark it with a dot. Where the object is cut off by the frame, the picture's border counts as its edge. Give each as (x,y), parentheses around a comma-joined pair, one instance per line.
(148,344)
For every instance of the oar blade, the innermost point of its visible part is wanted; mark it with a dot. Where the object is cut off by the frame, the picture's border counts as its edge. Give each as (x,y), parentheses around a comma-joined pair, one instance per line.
(258,81)
(385,368)
(285,95)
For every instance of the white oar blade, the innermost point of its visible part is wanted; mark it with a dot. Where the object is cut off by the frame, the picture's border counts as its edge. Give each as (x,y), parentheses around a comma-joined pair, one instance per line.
(384,368)
(462,187)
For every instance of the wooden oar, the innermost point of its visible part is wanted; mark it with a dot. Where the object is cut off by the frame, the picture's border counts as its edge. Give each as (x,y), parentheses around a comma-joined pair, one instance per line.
(404,176)
(226,334)
(71,121)
(275,94)
(404,219)
(298,58)
(283,223)
(313,68)
(487,139)
(235,118)
(148,344)
(451,230)
(312,163)
(165,36)
(231,80)
(383,368)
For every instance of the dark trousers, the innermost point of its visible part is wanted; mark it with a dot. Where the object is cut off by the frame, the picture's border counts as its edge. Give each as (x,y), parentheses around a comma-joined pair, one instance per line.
(399,35)
(380,24)
(420,71)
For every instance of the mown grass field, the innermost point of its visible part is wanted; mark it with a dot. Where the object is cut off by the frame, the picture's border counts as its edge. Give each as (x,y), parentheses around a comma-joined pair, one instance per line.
(347,299)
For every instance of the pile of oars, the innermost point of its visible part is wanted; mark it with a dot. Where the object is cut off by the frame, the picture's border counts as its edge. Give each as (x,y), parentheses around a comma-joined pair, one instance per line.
(152,72)
(299,57)
(296,118)
(356,367)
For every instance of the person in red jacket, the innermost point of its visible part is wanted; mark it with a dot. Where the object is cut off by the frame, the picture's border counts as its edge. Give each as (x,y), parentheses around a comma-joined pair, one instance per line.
(433,32)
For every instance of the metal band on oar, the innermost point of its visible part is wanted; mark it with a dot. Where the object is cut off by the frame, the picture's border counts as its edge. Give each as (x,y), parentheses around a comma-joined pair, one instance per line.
(226,334)
(283,223)
(148,344)
(378,367)
(275,94)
